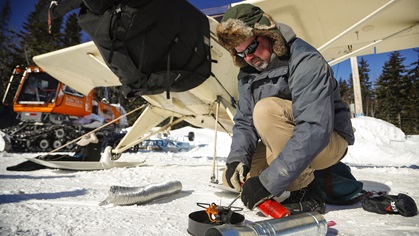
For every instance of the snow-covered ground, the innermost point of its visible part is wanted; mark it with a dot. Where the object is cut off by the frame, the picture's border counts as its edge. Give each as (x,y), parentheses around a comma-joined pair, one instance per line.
(59,202)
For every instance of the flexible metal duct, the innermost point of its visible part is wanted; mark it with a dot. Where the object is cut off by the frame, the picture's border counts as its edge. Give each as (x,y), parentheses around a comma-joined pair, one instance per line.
(306,224)
(119,195)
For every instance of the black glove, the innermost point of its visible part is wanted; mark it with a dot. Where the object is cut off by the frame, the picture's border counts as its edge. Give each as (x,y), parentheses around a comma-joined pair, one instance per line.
(254,193)
(236,175)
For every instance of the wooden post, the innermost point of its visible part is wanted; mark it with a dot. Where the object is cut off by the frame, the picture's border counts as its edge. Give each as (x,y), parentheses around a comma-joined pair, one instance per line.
(357,88)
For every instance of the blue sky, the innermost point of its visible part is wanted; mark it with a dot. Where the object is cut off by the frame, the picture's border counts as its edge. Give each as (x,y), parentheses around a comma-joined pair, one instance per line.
(21,8)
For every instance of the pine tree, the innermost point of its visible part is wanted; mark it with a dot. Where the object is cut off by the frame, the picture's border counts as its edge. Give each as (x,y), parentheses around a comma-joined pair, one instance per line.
(5,41)
(72,31)
(34,38)
(413,106)
(344,91)
(351,97)
(366,88)
(5,13)
(392,91)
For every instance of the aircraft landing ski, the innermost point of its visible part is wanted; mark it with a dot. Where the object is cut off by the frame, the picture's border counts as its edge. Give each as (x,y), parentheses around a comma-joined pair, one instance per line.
(105,163)
(84,165)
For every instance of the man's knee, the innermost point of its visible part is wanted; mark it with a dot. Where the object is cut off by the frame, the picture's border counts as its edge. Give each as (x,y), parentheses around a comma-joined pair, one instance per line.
(269,109)
(332,154)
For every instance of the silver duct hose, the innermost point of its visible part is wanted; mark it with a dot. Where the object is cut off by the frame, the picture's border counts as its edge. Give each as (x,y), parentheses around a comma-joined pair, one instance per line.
(121,196)
(306,224)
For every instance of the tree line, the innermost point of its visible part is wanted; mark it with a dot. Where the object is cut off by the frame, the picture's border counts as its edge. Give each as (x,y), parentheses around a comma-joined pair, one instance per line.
(393,97)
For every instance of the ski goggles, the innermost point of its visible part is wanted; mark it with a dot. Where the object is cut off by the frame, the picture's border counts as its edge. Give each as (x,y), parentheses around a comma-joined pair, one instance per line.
(249,49)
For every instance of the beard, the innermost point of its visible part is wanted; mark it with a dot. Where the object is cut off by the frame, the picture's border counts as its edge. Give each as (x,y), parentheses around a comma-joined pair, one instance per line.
(260,64)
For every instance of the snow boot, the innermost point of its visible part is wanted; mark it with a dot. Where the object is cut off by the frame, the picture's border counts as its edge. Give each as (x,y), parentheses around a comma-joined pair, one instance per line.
(307,199)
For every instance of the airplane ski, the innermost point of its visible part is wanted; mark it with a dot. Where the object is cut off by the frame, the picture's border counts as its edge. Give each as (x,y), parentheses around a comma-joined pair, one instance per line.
(106,162)
(84,165)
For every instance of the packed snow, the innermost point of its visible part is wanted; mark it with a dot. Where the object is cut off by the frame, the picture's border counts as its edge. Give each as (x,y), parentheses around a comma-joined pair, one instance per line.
(62,202)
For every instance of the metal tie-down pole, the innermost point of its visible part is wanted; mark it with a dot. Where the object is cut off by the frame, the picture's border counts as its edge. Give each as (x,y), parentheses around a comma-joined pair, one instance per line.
(214,178)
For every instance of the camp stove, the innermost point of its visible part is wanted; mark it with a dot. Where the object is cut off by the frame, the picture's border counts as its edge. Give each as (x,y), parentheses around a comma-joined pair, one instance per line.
(213,215)
(219,214)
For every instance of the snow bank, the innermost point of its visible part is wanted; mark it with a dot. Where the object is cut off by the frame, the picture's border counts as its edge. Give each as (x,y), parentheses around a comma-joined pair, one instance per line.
(380,143)
(376,130)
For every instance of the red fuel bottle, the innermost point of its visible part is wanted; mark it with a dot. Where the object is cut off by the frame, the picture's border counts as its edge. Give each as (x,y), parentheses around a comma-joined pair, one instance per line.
(273,209)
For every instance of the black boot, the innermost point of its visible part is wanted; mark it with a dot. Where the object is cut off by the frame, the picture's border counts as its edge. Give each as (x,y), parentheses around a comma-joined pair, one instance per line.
(307,199)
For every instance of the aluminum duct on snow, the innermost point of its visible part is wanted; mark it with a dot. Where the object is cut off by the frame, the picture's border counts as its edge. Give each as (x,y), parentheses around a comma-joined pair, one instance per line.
(122,196)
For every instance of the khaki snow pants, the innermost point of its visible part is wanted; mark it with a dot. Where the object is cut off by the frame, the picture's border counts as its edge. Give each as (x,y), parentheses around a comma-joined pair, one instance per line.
(274,122)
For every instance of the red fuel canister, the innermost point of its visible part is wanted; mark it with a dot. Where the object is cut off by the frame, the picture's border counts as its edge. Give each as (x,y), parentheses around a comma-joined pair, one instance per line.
(273,209)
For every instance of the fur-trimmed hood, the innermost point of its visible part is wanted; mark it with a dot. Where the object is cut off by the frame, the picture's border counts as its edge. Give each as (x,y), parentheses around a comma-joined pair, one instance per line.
(244,21)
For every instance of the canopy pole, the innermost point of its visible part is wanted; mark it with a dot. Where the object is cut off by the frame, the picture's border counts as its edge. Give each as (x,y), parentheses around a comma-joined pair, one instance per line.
(214,178)
(357,87)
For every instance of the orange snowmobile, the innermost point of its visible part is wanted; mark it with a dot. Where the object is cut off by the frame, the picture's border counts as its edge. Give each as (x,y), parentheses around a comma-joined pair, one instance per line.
(52,114)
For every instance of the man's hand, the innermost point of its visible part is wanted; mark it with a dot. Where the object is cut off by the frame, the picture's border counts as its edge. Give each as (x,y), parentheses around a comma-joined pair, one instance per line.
(236,175)
(254,193)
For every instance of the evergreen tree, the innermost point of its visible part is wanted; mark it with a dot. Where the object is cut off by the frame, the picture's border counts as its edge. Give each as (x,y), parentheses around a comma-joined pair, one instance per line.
(5,41)
(366,88)
(72,31)
(413,106)
(351,89)
(392,91)
(344,91)
(5,13)
(34,37)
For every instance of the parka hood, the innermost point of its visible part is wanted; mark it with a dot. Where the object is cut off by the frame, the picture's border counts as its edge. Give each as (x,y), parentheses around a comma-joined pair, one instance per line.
(244,21)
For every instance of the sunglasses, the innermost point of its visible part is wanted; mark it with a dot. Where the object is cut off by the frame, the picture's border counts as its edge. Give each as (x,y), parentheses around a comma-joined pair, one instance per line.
(249,49)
